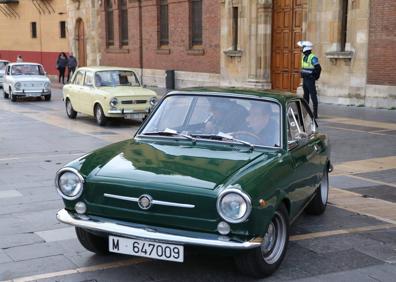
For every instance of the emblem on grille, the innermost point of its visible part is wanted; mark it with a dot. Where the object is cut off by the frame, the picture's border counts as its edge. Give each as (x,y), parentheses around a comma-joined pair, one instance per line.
(145,201)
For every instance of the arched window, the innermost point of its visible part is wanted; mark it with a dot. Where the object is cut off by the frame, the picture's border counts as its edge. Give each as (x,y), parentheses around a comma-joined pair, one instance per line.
(196,22)
(123,8)
(109,22)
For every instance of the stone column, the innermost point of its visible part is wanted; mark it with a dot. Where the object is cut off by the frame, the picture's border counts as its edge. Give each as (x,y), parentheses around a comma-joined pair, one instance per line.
(260,40)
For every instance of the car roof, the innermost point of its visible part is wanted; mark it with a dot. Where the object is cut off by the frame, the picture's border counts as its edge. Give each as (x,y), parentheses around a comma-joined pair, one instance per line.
(24,63)
(104,68)
(281,97)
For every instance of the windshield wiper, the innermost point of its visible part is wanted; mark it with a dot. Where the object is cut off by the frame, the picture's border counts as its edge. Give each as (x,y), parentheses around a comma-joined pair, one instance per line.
(170,132)
(224,136)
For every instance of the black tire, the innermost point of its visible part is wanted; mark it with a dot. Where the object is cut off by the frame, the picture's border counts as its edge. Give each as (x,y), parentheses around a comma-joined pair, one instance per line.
(101,119)
(47,97)
(70,112)
(318,204)
(265,260)
(5,94)
(91,242)
(12,97)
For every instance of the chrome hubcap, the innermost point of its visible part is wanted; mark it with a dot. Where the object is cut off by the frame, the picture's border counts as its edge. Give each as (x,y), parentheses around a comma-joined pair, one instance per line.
(98,114)
(274,240)
(68,107)
(324,188)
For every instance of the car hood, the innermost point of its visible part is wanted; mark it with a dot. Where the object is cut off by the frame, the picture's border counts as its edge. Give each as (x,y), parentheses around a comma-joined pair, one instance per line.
(195,166)
(125,91)
(34,78)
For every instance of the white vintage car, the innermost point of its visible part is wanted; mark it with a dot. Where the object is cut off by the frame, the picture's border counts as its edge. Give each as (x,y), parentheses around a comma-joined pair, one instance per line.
(26,80)
(3,64)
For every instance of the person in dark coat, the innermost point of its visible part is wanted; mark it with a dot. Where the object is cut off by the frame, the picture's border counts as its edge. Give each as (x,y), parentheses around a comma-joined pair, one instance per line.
(71,66)
(61,64)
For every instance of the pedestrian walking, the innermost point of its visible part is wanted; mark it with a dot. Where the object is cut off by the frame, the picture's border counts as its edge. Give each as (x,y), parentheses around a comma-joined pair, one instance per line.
(19,59)
(310,72)
(71,66)
(61,64)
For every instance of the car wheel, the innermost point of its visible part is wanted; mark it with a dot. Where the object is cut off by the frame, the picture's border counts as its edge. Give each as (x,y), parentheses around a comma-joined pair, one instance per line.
(12,97)
(5,94)
(71,113)
(263,261)
(318,204)
(91,242)
(99,115)
(47,97)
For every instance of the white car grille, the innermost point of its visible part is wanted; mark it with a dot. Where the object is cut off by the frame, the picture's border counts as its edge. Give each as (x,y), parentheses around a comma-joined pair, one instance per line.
(32,85)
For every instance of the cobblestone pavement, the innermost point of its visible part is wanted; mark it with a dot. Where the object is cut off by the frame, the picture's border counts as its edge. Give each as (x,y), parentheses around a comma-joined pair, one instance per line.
(355,240)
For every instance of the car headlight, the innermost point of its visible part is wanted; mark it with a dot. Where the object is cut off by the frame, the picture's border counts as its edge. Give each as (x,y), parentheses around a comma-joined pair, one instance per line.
(69,183)
(18,86)
(47,86)
(153,101)
(114,102)
(233,205)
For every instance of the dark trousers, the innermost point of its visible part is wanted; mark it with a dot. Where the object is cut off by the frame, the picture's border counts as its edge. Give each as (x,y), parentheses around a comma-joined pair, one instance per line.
(310,90)
(62,75)
(70,73)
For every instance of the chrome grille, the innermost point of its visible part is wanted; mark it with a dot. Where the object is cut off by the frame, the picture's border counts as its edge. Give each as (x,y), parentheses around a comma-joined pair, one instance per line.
(129,102)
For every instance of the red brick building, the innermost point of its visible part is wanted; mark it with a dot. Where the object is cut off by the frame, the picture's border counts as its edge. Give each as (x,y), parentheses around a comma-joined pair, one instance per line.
(159,35)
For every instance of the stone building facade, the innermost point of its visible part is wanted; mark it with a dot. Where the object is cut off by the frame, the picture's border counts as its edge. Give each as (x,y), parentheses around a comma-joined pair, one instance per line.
(357,70)
(36,30)
(83,24)
(248,43)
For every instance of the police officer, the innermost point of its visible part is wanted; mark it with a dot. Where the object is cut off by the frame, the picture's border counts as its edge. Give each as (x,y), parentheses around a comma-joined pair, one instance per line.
(310,72)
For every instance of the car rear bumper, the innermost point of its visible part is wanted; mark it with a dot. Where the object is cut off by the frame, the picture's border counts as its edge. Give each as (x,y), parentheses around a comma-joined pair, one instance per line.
(164,235)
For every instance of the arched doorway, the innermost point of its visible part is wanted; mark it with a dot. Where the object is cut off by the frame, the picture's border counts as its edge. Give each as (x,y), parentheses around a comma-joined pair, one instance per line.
(80,38)
(286,32)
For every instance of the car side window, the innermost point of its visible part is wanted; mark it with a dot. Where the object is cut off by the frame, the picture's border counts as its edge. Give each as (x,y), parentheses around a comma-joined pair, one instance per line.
(295,123)
(307,119)
(79,78)
(8,70)
(88,79)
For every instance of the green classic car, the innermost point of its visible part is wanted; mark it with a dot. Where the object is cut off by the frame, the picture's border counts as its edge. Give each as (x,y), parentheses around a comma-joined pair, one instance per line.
(107,92)
(217,168)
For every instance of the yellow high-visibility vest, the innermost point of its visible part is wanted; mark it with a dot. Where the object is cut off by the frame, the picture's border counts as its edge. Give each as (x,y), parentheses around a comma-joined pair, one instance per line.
(307,66)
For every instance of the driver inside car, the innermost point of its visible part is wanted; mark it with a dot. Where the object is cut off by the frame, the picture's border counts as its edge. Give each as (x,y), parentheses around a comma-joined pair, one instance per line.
(264,124)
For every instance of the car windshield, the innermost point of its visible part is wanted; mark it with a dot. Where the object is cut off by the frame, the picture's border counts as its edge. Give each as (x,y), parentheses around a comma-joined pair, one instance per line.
(27,70)
(3,65)
(217,118)
(116,78)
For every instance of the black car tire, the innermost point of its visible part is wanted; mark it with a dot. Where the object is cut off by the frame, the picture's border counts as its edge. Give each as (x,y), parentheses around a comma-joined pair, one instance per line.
(91,242)
(12,97)
(5,94)
(47,97)
(263,261)
(101,119)
(71,113)
(318,204)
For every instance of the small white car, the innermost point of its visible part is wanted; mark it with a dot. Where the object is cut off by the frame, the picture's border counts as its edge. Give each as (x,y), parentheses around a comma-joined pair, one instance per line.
(3,64)
(26,80)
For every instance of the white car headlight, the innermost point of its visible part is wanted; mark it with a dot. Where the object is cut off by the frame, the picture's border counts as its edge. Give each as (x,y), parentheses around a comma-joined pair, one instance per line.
(47,86)
(114,102)
(233,205)
(69,183)
(153,101)
(18,86)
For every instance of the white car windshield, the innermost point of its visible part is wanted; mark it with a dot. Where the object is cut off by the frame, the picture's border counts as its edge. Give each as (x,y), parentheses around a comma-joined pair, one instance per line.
(3,65)
(21,69)
(116,78)
(218,118)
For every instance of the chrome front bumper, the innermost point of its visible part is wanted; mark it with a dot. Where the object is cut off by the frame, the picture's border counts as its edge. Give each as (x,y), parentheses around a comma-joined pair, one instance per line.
(140,232)
(126,112)
(32,93)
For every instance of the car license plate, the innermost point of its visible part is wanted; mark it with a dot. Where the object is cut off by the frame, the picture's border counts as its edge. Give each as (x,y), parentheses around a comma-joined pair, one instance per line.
(135,116)
(32,94)
(147,249)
